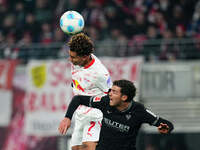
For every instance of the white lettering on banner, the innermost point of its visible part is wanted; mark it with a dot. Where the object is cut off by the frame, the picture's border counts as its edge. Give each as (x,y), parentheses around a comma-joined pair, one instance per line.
(60,74)
(124,68)
(48,101)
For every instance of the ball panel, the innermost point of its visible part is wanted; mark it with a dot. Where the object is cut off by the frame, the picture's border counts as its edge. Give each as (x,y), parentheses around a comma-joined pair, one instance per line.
(70,29)
(61,23)
(80,22)
(70,16)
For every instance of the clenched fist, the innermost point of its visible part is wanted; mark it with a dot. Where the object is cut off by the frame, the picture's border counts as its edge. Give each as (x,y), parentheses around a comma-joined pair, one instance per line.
(163,128)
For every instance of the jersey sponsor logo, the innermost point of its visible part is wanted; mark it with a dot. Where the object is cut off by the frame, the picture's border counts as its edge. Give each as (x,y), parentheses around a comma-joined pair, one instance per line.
(116,125)
(97,99)
(128,116)
(109,112)
(77,85)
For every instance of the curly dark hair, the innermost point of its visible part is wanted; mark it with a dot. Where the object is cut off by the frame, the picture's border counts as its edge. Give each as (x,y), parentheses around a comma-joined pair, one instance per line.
(127,88)
(81,44)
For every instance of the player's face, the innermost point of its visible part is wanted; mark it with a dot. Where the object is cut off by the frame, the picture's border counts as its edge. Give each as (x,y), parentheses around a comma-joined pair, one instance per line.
(75,59)
(115,96)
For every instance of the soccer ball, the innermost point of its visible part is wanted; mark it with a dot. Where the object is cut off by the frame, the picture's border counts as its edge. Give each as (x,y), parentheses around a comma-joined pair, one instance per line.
(71,22)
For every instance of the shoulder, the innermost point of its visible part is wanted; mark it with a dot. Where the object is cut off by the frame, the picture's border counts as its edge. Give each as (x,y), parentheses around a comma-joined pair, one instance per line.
(138,106)
(101,98)
(98,64)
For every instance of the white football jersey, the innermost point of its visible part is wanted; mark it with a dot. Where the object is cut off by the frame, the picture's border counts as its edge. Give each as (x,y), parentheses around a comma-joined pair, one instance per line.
(91,80)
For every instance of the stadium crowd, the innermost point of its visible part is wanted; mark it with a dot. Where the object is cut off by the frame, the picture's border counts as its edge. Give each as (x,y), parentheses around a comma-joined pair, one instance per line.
(157,29)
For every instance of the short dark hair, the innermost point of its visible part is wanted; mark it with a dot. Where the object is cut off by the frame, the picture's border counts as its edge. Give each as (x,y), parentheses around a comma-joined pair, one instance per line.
(127,88)
(81,44)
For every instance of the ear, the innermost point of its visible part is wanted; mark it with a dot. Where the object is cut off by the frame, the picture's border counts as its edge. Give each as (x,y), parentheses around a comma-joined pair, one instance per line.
(85,57)
(124,97)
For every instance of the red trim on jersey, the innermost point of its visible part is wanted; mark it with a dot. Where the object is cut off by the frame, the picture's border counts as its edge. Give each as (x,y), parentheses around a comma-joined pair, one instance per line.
(91,63)
(105,92)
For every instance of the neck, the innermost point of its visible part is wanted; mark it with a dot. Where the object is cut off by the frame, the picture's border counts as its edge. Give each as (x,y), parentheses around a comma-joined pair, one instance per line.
(125,106)
(87,61)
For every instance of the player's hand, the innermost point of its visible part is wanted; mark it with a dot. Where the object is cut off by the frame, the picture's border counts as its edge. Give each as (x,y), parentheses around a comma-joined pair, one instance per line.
(163,128)
(64,125)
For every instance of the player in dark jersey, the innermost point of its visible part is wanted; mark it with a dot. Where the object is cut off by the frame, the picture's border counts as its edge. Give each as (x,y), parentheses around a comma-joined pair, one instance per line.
(122,117)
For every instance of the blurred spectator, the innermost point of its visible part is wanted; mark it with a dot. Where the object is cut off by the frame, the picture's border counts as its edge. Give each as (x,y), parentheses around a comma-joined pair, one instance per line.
(122,46)
(108,46)
(32,26)
(46,35)
(167,46)
(136,45)
(10,51)
(152,32)
(65,5)
(20,14)
(196,53)
(112,17)
(180,46)
(94,15)
(151,45)
(178,16)
(3,13)
(26,50)
(93,33)
(58,35)
(2,38)
(20,18)
(9,24)
(160,22)
(180,31)
(140,25)
(2,44)
(43,12)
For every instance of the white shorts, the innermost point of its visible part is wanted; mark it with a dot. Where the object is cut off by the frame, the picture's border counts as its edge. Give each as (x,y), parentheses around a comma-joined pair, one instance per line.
(87,125)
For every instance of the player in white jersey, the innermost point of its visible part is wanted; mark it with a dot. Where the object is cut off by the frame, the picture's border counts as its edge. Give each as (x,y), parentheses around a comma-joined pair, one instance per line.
(89,77)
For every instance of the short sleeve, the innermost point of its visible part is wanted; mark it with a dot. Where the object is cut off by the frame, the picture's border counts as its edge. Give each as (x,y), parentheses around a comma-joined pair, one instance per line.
(104,82)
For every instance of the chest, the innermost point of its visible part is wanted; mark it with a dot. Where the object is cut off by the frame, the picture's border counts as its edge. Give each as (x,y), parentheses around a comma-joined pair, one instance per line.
(84,78)
(123,124)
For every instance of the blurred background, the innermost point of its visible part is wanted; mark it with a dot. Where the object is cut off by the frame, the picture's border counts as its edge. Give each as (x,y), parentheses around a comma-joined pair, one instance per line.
(155,43)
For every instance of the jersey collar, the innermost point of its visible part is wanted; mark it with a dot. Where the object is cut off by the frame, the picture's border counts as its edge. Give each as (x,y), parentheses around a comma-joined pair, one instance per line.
(129,107)
(90,64)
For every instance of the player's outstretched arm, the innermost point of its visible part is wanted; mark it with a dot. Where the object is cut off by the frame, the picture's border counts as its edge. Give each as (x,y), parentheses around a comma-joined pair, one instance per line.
(75,102)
